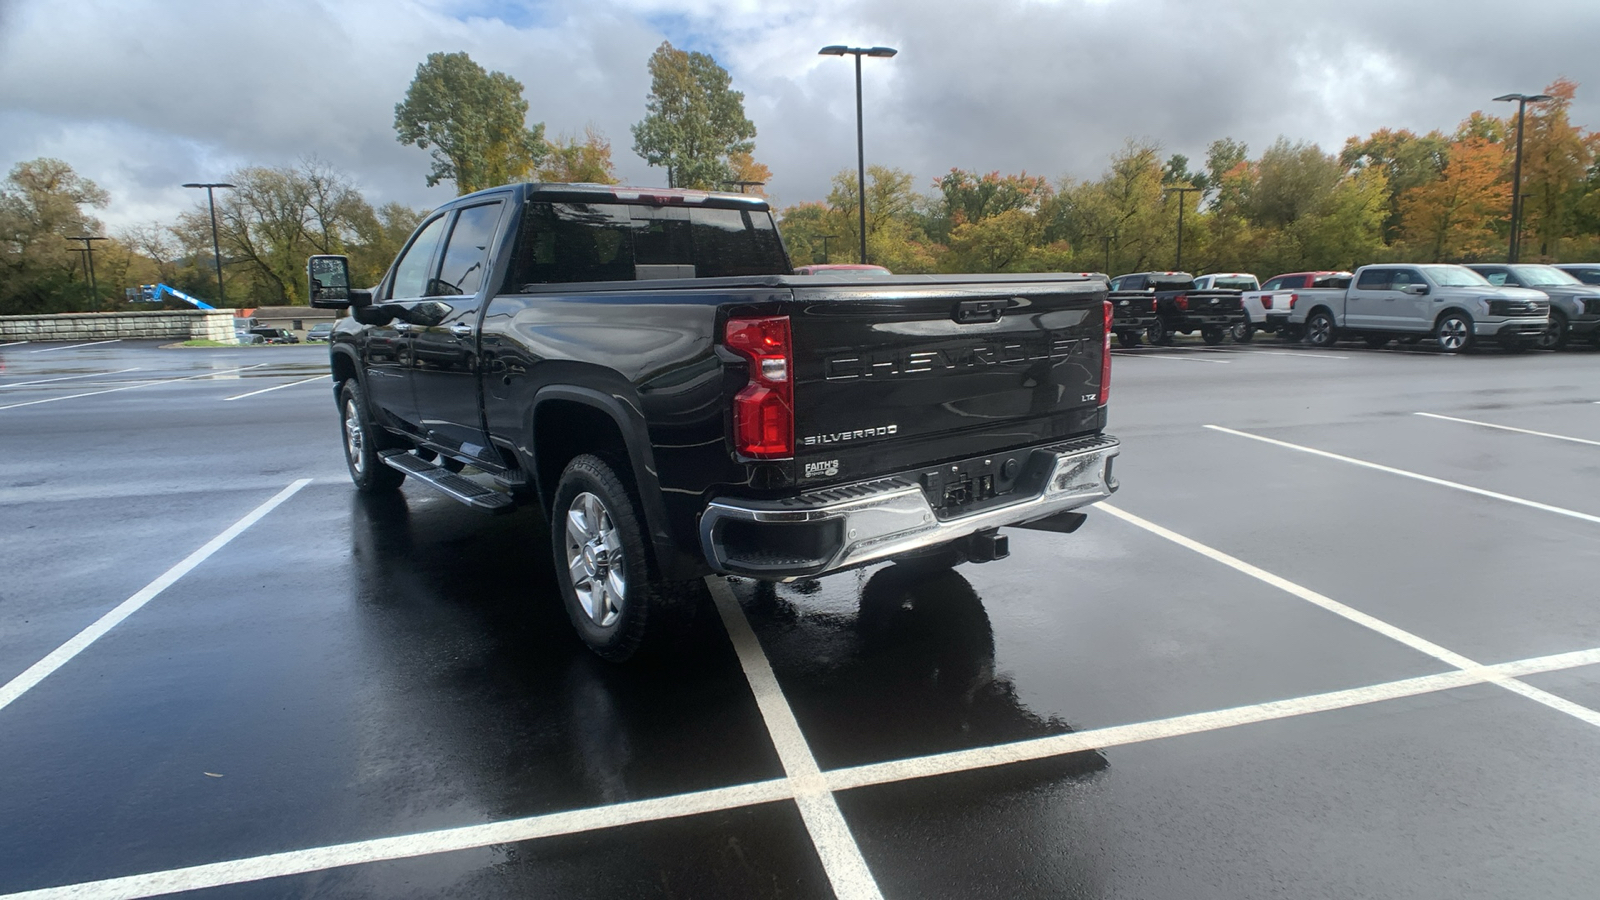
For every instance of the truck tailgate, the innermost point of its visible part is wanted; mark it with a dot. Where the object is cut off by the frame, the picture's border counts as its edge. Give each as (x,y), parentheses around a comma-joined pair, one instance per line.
(890,377)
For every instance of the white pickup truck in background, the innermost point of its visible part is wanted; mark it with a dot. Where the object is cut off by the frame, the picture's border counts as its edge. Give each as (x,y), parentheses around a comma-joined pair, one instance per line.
(1231,281)
(1268,308)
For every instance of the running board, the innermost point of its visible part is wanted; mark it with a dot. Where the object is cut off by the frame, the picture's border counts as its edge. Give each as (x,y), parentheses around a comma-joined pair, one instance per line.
(464,489)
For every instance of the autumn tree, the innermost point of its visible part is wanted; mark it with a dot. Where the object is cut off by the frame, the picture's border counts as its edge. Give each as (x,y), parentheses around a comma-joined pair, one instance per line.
(694,121)
(967,198)
(43,202)
(568,160)
(751,176)
(895,238)
(1455,217)
(1407,161)
(473,122)
(1556,157)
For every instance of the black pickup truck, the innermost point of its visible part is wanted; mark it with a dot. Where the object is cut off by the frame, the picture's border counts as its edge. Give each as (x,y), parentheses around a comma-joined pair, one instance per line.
(642,366)
(1165,304)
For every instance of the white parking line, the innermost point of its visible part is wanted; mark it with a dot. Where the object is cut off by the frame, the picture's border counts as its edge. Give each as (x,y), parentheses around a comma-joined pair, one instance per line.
(66,377)
(1299,355)
(1393,632)
(63,654)
(278,388)
(1545,434)
(841,857)
(73,346)
(139,385)
(316,859)
(1532,504)
(1173,358)
(13,344)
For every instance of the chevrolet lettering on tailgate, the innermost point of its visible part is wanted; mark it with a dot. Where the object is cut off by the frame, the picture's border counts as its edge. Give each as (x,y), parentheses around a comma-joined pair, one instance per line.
(917,362)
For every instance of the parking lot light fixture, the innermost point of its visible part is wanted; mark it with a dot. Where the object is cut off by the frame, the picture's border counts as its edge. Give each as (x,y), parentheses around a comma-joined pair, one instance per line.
(216,249)
(1522,101)
(1182,192)
(861,153)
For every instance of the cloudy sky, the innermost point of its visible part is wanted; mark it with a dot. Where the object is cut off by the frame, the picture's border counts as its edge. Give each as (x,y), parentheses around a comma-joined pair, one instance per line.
(142,95)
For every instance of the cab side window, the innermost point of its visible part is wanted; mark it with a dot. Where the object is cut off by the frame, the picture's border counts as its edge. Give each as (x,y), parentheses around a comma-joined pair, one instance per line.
(1273,285)
(466,254)
(1374,280)
(1496,278)
(411,272)
(1293,282)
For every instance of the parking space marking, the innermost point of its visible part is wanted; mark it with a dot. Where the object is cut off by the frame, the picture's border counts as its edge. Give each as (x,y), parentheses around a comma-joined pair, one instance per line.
(1532,504)
(138,385)
(278,388)
(66,377)
(74,346)
(1173,358)
(1393,632)
(469,837)
(1545,434)
(956,761)
(63,654)
(1299,355)
(836,847)
(13,344)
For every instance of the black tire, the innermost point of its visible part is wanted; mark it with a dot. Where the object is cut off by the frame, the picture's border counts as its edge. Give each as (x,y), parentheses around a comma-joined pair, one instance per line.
(362,441)
(1128,338)
(1554,337)
(1212,334)
(1376,342)
(1158,333)
(1242,331)
(1290,334)
(618,610)
(931,560)
(1320,330)
(1453,332)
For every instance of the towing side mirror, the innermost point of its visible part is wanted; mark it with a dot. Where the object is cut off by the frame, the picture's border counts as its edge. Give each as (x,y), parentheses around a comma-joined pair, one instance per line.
(329,278)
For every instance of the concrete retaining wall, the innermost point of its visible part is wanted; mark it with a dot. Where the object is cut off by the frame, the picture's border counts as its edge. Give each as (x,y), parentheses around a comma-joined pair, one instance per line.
(175,325)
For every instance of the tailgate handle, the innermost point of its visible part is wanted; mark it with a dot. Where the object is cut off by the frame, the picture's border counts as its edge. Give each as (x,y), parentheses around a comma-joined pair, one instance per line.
(972,311)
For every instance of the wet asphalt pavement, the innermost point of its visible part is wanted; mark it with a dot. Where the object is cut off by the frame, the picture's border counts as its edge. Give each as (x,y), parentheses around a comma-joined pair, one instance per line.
(1359,658)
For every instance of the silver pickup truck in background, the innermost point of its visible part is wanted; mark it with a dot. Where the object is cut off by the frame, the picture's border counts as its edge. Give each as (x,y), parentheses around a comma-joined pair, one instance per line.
(1452,305)
(1574,306)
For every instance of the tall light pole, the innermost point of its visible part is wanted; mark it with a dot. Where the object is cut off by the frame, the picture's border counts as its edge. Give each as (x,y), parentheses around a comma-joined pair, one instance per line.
(88,265)
(861,152)
(216,249)
(825,239)
(1522,101)
(1181,192)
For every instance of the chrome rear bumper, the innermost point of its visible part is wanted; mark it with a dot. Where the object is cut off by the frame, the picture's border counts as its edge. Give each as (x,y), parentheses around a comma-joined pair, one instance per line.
(844,527)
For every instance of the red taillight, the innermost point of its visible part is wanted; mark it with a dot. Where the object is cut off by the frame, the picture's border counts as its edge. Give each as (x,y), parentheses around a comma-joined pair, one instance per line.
(1266,301)
(1181,301)
(1105,360)
(763,413)
(1292,299)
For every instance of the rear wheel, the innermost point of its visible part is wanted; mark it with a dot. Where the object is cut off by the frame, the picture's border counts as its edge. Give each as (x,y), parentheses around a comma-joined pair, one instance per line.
(1242,331)
(1128,338)
(1159,333)
(1554,337)
(1212,334)
(1320,330)
(362,441)
(1453,333)
(602,570)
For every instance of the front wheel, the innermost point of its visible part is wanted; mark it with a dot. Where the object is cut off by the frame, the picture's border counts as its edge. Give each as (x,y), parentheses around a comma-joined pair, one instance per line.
(602,570)
(1159,333)
(362,441)
(1320,330)
(1242,331)
(1453,333)
(1554,336)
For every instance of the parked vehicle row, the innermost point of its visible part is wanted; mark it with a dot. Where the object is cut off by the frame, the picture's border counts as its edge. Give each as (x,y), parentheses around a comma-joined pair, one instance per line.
(1452,305)
(1161,305)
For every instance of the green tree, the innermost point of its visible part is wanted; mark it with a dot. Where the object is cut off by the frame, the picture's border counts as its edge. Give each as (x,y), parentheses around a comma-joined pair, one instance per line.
(969,198)
(475,123)
(42,203)
(1456,217)
(1555,166)
(895,237)
(570,160)
(694,122)
(1407,161)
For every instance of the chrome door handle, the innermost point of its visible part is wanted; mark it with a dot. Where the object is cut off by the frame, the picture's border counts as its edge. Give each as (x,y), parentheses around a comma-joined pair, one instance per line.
(461,329)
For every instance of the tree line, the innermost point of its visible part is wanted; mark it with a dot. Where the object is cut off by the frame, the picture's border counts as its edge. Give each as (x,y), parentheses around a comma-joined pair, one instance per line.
(1390,195)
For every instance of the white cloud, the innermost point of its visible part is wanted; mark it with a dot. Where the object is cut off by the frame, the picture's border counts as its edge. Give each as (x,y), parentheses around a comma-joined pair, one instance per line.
(142,95)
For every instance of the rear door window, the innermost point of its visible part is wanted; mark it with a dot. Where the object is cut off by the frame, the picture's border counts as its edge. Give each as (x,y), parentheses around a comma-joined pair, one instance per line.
(467,252)
(1374,280)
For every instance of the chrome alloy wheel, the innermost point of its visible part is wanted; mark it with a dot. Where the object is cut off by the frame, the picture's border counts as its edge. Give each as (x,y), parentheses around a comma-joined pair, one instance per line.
(1452,334)
(1319,330)
(594,559)
(355,440)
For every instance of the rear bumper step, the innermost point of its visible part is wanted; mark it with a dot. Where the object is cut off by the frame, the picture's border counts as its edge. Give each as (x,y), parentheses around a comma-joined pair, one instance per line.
(852,525)
(456,486)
